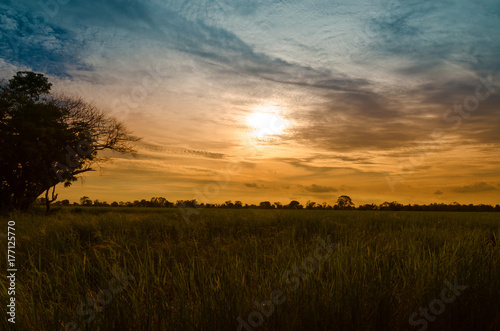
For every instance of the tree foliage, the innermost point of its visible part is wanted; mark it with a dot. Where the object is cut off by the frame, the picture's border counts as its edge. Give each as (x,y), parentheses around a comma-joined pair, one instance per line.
(345,202)
(47,139)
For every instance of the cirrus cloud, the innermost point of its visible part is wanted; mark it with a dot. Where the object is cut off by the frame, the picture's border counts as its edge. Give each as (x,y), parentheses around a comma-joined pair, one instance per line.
(474,188)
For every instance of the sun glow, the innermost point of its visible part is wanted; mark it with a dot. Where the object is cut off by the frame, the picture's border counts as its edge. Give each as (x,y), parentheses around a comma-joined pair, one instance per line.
(266,122)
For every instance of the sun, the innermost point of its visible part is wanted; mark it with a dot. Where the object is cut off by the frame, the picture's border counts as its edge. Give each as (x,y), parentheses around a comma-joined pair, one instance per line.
(266,123)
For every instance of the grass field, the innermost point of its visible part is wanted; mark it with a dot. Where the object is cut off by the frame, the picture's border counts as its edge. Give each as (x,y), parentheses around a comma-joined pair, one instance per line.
(146,269)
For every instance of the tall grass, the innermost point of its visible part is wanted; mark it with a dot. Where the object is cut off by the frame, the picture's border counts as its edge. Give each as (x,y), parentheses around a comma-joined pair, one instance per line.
(204,275)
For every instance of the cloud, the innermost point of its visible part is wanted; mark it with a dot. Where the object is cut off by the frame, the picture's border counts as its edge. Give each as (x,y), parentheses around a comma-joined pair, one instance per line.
(192,152)
(180,151)
(474,188)
(79,35)
(320,189)
(323,165)
(361,89)
(255,185)
(28,42)
(414,31)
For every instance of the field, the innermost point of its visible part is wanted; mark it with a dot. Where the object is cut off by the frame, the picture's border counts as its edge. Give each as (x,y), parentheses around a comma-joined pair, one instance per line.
(146,269)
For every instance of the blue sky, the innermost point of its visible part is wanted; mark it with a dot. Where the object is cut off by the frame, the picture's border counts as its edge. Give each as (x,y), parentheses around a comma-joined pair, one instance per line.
(364,93)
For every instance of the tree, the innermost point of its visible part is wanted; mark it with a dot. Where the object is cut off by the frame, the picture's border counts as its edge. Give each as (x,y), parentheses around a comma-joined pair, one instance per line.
(294,204)
(344,202)
(186,203)
(265,205)
(310,204)
(85,201)
(368,207)
(29,84)
(47,139)
(159,202)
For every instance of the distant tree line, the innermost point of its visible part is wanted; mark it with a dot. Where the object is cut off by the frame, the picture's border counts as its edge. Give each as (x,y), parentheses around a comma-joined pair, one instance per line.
(343,203)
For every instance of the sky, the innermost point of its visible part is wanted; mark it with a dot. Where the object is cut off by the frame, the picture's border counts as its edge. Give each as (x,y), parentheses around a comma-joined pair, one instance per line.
(277,100)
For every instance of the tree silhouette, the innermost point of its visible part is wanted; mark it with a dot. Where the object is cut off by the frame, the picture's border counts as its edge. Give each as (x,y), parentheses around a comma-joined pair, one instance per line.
(46,140)
(85,201)
(294,204)
(265,205)
(310,204)
(386,206)
(344,202)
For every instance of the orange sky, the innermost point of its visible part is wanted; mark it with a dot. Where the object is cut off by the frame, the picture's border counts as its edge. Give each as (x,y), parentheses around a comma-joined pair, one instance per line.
(382,101)
(215,148)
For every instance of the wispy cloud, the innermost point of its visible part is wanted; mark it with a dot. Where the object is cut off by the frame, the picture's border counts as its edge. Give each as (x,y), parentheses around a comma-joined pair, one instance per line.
(320,189)
(256,186)
(474,188)
(361,85)
(180,151)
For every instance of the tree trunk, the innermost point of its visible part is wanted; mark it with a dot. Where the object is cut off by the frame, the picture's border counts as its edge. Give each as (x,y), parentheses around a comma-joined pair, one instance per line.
(49,201)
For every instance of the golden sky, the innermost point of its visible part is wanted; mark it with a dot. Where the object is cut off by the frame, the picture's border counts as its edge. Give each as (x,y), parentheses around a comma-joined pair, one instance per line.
(381,101)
